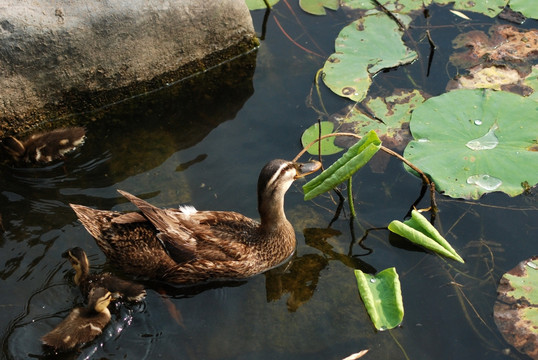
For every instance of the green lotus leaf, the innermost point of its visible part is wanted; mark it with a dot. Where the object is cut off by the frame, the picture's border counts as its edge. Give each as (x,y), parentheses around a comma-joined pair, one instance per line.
(393,112)
(419,231)
(532,81)
(355,158)
(259,4)
(327,145)
(528,8)
(401,6)
(359,56)
(382,297)
(516,309)
(317,7)
(489,8)
(472,142)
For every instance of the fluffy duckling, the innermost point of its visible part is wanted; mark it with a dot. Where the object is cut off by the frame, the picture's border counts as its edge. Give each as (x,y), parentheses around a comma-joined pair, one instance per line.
(45,147)
(185,246)
(82,324)
(86,281)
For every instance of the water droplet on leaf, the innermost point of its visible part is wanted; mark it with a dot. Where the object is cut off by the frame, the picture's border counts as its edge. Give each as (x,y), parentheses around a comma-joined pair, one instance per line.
(486,182)
(478,122)
(486,142)
(373,280)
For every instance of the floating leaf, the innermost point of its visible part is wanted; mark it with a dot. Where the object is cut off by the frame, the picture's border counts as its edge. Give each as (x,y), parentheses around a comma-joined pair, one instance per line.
(489,8)
(526,7)
(532,81)
(259,4)
(358,55)
(317,7)
(516,309)
(491,77)
(505,44)
(355,158)
(382,297)
(419,231)
(400,6)
(473,142)
(327,145)
(393,111)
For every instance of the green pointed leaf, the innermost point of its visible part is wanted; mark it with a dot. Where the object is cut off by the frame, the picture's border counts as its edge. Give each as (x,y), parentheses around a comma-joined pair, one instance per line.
(355,158)
(259,4)
(327,145)
(358,55)
(516,309)
(419,231)
(382,297)
(472,142)
(317,7)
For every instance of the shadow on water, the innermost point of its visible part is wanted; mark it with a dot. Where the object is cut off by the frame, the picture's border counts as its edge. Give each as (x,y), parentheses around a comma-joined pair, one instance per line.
(123,140)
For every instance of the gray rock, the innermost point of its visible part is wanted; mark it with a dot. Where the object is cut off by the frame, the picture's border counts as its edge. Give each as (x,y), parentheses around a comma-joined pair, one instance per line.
(64,56)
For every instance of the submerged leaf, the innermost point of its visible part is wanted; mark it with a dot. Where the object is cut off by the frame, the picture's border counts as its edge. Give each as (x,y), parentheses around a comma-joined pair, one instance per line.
(472,142)
(355,158)
(516,309)
(327,145)
(382,297)
(419,231)
(359,55)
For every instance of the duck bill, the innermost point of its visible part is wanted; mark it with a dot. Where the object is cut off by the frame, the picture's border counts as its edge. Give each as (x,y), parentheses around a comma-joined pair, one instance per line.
(304,169)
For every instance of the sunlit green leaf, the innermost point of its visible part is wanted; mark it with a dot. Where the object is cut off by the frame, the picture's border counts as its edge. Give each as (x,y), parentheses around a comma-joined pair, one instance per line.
(382,297)
(529,8)
(419,231)
(355,158)
(490,8)
(400,6)
(317,7)
(362,49)
(259,4)
(327,145)
(472,142)
(517,307)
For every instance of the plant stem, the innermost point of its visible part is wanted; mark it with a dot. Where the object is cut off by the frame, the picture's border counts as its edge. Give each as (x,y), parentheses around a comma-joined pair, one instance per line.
(350,197)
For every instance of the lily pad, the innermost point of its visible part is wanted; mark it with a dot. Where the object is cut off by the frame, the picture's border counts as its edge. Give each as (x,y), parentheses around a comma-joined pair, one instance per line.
(473,142)
(393,112)
(400,6)
(355,158)
(526,7)
(317,7)
(419,231)
(358,55)
(382,297)
(489,8)
(259,4)
(327,145)
(505,44)
(516,309)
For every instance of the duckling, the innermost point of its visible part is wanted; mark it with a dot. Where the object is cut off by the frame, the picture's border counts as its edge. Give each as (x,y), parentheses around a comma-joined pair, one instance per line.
(185,246)
(45,147)
(86,281)
(82,324)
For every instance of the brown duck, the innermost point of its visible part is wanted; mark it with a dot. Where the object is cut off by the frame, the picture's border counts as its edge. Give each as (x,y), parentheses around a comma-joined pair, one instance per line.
(87,281)
(82,324)
(44,147)
(187,246)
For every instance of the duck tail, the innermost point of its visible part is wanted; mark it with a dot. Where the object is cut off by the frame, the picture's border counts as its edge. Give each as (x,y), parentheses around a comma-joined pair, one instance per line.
(90,219)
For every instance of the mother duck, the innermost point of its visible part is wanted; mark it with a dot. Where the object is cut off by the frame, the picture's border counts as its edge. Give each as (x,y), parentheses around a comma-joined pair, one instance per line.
(185,246)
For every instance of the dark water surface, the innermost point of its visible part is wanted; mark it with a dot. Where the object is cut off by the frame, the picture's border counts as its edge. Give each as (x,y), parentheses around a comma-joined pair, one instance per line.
(204,145)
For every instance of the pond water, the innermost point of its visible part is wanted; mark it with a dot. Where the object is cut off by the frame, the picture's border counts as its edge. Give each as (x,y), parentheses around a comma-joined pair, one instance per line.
(204,145)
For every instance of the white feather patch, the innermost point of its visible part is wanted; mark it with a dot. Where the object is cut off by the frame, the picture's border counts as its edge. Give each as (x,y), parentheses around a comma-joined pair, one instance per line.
(187,209)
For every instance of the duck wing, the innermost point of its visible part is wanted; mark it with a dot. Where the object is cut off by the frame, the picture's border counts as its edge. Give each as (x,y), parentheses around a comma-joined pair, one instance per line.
(189,235)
